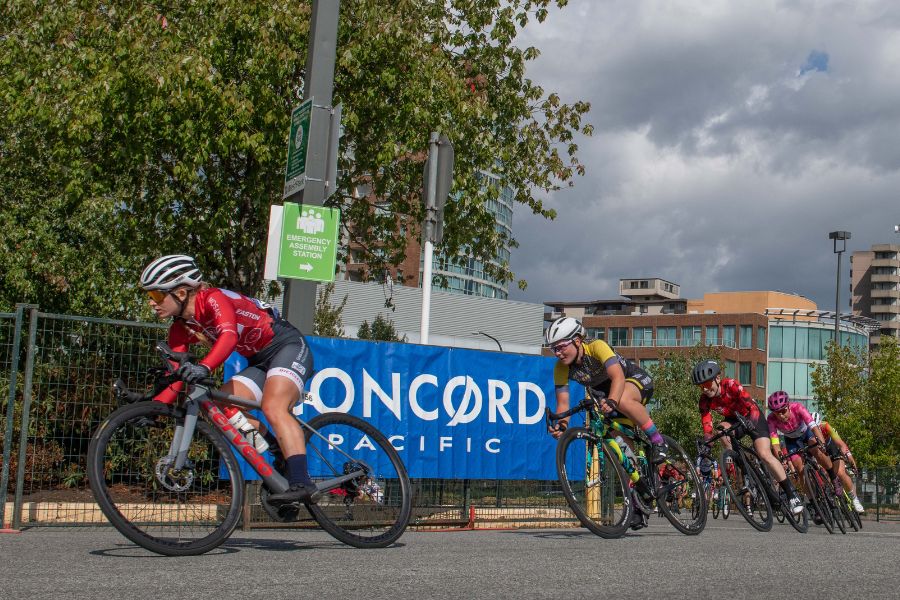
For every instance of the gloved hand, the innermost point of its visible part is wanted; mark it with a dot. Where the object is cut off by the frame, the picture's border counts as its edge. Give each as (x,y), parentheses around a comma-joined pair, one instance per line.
(192,373)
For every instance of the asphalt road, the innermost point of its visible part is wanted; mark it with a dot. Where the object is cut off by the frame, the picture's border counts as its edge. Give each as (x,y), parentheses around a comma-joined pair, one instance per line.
(728,560)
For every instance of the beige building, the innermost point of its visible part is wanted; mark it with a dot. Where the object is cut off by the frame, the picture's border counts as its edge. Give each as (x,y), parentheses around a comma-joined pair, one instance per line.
(875,288)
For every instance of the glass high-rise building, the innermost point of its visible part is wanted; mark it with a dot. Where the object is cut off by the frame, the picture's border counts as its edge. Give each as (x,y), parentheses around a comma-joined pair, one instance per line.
(469,277)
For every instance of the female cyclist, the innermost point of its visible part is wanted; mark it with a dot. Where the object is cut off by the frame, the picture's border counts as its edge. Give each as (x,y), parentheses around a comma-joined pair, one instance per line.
(727,397)
(279,361)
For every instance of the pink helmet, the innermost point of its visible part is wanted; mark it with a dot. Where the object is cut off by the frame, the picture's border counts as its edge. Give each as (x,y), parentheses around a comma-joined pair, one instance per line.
(778,401)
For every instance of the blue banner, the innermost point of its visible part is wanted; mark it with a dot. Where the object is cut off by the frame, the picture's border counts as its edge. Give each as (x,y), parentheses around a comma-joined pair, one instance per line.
(452,413)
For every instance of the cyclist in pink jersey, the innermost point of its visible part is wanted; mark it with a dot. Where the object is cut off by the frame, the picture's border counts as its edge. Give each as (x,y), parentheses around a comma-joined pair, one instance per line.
(793,421)
(279,360)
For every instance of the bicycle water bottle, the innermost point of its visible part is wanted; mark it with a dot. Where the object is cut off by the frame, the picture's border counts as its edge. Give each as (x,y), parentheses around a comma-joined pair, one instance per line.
(240,422)
(626,450)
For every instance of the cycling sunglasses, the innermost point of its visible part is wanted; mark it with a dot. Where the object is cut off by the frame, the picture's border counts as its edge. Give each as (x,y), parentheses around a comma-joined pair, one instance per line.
(156,295)
(707,385)
(557,348)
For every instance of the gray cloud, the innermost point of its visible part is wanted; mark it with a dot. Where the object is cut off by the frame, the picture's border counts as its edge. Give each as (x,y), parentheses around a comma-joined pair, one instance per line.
(715,162)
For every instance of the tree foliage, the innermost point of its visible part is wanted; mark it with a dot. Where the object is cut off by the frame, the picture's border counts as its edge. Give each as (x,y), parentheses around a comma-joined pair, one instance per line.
(859,393)
(329,319)
(676,412)
(130,130)
(381,329)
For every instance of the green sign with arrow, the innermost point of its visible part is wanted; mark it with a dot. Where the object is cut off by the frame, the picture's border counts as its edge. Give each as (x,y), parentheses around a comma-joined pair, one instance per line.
(308,242)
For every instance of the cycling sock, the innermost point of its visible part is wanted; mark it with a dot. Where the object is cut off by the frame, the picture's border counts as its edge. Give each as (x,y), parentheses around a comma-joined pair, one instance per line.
(298,471)
(650,429)
(788,487)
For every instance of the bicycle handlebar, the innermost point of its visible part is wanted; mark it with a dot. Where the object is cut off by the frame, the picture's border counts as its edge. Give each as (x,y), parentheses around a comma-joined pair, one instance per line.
(166,375)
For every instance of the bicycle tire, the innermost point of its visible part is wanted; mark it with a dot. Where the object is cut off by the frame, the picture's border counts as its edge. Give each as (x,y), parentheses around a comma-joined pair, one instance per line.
(817,496)
(601,500)
(726,502)
(173,514)
(782,510)
(834,506)
(688,487)
(370,513)
(716,509)
(759,497)
(848,511)
(856,518)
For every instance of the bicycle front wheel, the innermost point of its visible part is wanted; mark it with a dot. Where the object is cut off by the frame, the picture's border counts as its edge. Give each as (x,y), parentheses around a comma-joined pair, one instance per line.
(369,511)
(748,492)
(594,483)
(817,495)
(834,506)
(680,495)
(175,513)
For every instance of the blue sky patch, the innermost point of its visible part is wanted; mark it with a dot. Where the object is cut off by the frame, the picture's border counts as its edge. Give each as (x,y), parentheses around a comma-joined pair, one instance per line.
(816,61)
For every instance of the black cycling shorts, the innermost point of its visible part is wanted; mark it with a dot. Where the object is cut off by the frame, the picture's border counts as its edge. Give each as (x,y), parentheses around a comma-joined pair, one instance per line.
(287,355)
(760,431)
(637,377)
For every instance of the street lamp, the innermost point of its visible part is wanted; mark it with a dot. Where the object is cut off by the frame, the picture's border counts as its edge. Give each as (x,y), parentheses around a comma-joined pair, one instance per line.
(490,336)
(838,236)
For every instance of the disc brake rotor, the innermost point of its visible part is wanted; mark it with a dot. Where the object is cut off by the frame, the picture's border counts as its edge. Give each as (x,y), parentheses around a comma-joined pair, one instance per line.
(172,480)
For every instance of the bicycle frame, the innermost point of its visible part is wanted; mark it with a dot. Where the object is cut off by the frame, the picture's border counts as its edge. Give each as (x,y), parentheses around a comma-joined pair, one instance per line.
(200,397)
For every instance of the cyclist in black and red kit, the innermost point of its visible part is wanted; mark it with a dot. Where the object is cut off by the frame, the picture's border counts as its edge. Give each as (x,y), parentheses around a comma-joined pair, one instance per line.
(279,360)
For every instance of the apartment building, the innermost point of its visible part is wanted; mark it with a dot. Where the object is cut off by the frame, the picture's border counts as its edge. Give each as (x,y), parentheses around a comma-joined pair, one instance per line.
(875,288)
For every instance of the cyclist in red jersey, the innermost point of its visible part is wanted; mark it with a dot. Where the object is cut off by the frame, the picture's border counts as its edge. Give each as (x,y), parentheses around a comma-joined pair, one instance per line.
(279,360)
(728,398)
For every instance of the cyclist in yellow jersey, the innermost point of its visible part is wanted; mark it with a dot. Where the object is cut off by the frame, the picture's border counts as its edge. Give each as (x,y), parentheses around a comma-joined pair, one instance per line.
(837,448)
(626,387)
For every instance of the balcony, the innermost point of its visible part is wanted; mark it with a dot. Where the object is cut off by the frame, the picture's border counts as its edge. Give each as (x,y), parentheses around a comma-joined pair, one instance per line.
(895,278)
(885,262)
(885,308)
(885,294)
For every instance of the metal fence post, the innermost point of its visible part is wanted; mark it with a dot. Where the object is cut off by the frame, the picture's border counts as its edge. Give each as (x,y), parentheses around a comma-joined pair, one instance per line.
(10,412)
(877,499)
(26,408)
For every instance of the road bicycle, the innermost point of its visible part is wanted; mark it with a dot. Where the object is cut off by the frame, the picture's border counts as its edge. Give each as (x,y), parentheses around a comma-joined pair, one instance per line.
(753,491)
(820,488)
(596,468)
(721,504)
(167,475)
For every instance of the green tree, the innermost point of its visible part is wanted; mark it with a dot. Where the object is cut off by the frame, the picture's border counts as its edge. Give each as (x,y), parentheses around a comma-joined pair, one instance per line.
(329,318)
(131,130)
(381,329)
(859,393)
(676,408)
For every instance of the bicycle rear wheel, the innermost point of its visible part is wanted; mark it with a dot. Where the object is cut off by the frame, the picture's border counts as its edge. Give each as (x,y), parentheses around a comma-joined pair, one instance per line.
(748,492)
(726,501)
(716,505)
(175,513)
(680,486)
(594,483)
(372,510)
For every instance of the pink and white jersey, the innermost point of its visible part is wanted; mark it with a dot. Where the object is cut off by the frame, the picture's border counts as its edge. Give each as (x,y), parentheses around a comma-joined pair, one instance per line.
(796,426)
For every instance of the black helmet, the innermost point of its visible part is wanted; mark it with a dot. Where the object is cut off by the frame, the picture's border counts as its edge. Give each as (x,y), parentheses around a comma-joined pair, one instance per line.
(705,371)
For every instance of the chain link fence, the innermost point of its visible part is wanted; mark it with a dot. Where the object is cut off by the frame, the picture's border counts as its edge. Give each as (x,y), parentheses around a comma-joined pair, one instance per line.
(56,373)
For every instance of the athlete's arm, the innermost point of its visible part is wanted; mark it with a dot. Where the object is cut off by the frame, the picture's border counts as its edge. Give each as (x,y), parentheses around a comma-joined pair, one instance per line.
(225,322)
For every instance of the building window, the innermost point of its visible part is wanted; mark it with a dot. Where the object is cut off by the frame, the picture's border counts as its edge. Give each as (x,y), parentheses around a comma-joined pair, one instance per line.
(645,285)
(761,338)
(729,369)
(744,373)
(649,363)
(712,335)
(618,336)
(746,336)
(634,285)
(644,309)
(728,336)
(643,336)
(690,336)
(760,375)
(596,333)
(665,336)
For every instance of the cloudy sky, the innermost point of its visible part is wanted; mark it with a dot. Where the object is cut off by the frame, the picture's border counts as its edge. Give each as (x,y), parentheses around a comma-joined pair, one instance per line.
(730,138)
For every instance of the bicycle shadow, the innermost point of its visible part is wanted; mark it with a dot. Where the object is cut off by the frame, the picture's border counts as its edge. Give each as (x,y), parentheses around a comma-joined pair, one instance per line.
(232,546)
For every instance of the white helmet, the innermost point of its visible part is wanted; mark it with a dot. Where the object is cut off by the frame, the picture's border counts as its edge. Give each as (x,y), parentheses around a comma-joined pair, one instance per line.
(169,272)
(817,418)
(564,328)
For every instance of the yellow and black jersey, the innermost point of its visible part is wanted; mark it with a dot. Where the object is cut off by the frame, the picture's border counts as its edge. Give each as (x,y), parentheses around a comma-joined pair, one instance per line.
(591,372)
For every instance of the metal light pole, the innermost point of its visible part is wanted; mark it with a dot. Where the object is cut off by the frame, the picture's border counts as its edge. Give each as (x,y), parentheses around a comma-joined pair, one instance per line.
(490,336)
(838,236)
